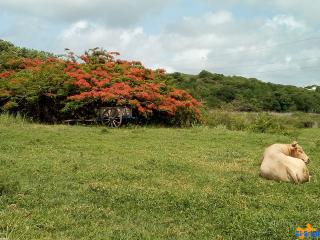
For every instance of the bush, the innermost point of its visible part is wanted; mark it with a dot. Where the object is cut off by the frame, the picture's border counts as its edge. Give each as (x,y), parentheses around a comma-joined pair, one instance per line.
(230,120)
(264,123)
(55,89)
(285,123)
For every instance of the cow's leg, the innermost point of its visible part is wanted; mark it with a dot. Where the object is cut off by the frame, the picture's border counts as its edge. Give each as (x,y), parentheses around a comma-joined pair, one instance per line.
(306,175)
(292,176)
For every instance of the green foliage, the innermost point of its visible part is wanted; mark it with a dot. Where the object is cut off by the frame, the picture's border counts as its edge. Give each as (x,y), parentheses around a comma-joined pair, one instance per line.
(264,123)
(75,87)
(39,93)
(242,94)
(280,123)
(229,120)
(8,52)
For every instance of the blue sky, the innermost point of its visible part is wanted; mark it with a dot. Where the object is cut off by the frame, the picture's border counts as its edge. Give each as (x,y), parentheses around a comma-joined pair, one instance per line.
(275,40)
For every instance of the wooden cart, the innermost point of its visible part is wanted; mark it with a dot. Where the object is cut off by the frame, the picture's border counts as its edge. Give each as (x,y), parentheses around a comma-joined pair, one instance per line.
(113,116)
(108,116)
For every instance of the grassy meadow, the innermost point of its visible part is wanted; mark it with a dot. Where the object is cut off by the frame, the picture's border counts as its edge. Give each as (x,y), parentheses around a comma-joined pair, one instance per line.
(77,182)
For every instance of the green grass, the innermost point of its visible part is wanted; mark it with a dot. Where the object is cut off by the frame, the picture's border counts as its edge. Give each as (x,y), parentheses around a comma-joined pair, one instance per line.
(74,182)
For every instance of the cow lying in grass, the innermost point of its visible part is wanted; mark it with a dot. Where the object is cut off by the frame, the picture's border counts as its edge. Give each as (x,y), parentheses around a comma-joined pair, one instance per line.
(285,162)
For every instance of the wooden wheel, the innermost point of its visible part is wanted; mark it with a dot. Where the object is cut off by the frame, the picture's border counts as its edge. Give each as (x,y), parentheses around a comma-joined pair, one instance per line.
(111,117)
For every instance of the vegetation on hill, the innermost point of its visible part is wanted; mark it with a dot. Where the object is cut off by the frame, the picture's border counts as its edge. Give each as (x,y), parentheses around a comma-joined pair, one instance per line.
(242,94)
(9,52)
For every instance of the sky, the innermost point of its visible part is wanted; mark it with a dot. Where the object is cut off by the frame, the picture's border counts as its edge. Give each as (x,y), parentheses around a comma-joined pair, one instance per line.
(275,41)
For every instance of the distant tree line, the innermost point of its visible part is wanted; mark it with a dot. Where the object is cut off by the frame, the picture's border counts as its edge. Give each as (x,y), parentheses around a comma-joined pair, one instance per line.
(246,94)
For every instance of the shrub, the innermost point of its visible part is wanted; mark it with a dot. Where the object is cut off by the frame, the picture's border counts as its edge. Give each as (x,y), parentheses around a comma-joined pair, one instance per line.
(285,124)
(54,89)
(35,88)
(231,120)
(264,123)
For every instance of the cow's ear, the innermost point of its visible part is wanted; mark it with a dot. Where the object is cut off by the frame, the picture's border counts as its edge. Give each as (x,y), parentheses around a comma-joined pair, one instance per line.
(294,144)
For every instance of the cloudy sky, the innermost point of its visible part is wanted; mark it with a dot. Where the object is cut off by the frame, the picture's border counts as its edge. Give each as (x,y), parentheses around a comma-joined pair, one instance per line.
(274,40)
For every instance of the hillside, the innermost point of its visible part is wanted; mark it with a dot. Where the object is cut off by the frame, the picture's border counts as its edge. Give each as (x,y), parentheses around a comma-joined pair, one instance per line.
(243,94)
(313,88)
(9,51)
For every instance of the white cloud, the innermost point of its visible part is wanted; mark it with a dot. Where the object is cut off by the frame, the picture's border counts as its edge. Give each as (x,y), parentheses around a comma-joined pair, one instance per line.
(195,58)
(132,42)
(267,49)
(306,9)
(200,24)
(128,36)
(75,29)
(303,9)
(218,18)
(107,12)
(285,22)
(210,18)
(256,40)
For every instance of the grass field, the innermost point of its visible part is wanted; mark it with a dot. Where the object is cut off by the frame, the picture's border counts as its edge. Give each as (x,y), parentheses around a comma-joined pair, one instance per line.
(75,182)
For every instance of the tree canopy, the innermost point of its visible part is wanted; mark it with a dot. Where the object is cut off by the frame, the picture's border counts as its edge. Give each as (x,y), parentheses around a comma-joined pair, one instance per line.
(246,94)
(50,89)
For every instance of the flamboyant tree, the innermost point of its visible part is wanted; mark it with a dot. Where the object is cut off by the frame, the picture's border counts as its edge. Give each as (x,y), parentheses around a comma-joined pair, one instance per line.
(73,85)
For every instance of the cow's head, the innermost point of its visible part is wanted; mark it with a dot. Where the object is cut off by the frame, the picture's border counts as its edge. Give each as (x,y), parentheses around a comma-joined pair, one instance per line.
(297,152)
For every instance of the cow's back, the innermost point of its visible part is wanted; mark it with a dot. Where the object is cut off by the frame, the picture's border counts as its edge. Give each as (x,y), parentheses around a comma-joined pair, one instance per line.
(274,168)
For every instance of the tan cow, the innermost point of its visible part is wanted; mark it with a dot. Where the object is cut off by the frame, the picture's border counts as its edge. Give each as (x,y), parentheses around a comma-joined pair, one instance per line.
(285,162)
